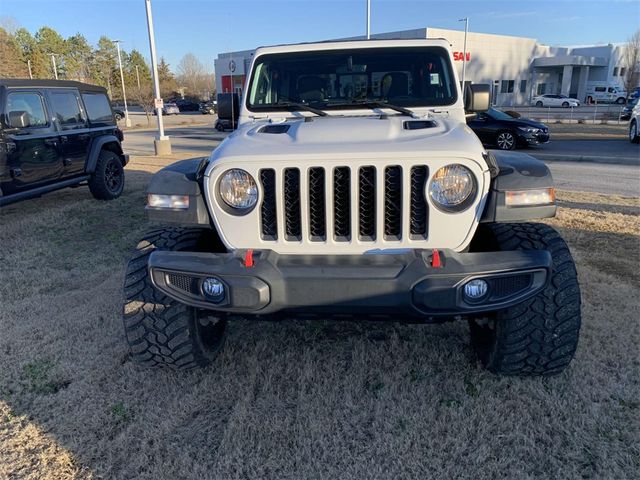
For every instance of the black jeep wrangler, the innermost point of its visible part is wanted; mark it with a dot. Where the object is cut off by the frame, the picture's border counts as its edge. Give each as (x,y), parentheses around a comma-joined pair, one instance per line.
(56,134)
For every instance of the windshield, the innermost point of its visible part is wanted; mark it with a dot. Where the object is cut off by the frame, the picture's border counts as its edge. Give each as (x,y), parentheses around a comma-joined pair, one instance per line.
(341,79)
(498,115)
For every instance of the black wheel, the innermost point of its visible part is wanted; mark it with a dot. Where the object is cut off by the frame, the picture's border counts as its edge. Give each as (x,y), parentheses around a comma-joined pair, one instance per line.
(565,104)
(117,116)
(506,140)
(219,127)
(633,132)
(107,181)
(540,335)
(620,101)
(539,104)
(589,99)
(160,331)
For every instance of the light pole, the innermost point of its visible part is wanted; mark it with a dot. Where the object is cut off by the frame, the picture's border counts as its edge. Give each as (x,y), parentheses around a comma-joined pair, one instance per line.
(138,77)
(127,121)
(29,65)
(464,56)
(162,144)
(368,19)
(55,67)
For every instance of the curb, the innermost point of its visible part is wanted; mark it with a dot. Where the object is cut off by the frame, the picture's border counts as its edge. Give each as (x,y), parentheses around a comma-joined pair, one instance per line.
(553,157)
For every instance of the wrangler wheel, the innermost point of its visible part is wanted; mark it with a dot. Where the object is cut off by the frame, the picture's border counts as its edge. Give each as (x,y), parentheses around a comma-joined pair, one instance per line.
(540,335)
(160,331)
(107,181)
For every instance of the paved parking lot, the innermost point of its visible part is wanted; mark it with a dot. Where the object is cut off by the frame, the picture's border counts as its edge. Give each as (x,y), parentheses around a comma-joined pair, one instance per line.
(139,119)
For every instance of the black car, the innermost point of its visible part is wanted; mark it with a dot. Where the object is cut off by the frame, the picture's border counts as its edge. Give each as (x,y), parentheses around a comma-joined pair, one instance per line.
(628,108)
(187,105)
(56,134)
(208,108)
(505,132)
(118,114)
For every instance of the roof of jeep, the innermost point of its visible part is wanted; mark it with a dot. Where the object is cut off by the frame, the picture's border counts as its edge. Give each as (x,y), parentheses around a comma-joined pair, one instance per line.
(26,82)
(350,44)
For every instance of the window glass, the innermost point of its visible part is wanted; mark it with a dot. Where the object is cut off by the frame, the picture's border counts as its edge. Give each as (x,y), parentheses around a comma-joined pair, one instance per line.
(623,71)
(66,109)
(98,108)
(29,102)
(541,88)
(601,89)
(523,86)
(507,86)
(410,77)
(615,71)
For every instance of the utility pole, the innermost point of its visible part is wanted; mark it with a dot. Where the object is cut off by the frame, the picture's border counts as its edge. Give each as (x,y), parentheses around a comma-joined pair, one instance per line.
(127,121)
(29,65)
(368,19)
(162,143)
(138,77)
(464,56)
(55,67)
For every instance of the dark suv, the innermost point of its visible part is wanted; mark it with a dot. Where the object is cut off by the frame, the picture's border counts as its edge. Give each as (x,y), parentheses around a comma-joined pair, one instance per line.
(56,134)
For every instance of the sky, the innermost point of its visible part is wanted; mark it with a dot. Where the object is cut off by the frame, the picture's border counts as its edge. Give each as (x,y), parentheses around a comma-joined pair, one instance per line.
(208,27)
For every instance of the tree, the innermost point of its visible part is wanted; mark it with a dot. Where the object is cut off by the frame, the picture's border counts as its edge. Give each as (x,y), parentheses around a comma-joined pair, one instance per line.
(78,58)
(168,84)
(135,59)
(12,64)
(104,69)
(192,75)
(631,59)
(49,41)
(40,64)
(144,97)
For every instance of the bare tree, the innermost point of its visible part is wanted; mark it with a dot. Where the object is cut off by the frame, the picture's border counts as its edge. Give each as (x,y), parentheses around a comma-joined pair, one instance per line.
(631,61)
(192,74)
(145,98)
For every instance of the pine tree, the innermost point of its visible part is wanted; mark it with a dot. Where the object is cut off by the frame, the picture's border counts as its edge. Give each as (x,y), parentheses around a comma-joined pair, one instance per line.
(12,64)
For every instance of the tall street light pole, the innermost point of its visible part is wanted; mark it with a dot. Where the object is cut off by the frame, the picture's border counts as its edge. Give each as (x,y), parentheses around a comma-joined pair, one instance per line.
(368,19)
(138,77)
(53,62)
(29,65)
(162,143)
(127,121)
(464,56)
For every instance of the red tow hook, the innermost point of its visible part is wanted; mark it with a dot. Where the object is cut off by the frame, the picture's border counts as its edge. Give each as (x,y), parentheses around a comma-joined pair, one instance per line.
(436,262)
(248,258)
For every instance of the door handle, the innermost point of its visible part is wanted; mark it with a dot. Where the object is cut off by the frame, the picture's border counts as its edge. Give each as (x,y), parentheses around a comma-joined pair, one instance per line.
(52,142)
(84,136)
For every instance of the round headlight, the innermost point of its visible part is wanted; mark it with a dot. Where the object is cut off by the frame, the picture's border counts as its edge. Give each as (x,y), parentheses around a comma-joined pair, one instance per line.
(238,189)
(452,188)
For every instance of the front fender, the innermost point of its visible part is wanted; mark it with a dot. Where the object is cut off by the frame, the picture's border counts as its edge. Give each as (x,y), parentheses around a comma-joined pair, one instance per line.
(181,178)
(96,146)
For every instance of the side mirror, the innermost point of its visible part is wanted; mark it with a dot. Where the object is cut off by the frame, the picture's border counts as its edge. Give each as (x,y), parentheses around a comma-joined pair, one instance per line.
(19,119)
(477,98)
(229,107)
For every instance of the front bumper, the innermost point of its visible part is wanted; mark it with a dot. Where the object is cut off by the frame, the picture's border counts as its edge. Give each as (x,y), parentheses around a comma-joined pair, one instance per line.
(536,138)
(376,285)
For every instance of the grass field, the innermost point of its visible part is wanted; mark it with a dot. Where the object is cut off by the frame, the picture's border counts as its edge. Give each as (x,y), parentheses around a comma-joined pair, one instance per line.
(299,400)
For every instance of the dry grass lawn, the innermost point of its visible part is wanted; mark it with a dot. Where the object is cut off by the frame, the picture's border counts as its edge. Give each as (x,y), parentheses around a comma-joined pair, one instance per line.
(299,400)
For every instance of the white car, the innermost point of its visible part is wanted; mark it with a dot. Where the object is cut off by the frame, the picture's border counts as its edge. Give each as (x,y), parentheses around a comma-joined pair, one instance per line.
(634,124)
(555,101)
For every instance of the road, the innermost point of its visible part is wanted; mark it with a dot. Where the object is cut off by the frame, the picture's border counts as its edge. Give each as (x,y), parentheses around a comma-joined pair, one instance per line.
(583,176)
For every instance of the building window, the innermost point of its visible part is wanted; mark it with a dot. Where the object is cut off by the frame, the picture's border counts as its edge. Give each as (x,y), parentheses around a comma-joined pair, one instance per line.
(507,86)
(523,86)
(541,89)
(623,71)
(615,71)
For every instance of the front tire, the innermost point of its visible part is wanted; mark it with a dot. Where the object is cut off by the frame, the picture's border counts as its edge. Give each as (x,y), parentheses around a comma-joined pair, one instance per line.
(506,140)
(621,101)
(107,181)
(634,137)
(538,336)
(565,104)
(160,331)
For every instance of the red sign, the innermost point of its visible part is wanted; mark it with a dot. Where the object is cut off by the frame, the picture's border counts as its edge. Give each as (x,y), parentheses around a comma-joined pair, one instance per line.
(459,56)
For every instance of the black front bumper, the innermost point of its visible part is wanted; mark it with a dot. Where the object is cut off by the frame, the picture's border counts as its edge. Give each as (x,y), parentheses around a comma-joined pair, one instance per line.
(378,285)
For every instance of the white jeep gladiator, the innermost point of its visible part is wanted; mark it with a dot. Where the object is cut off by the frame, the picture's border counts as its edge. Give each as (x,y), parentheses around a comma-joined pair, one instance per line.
(353,188)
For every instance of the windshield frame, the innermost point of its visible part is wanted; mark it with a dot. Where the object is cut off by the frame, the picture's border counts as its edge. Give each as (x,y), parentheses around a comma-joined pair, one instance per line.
(346,107)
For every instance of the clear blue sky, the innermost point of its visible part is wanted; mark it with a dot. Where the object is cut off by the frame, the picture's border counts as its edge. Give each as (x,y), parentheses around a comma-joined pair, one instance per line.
(207,27)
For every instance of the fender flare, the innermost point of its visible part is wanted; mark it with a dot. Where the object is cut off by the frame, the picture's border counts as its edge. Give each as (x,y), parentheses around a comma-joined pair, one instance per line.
(96,146)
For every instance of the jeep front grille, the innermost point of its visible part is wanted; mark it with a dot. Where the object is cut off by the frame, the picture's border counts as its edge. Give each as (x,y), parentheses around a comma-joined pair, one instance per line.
(344,203)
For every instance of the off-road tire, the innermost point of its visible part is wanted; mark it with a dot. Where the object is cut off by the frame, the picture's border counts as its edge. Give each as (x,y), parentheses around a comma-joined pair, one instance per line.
(538,336)
(107,181)
(160,331)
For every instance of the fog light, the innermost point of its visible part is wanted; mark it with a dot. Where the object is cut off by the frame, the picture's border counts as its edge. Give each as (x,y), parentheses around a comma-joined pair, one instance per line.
(168,201)
(213,289)
(476,289)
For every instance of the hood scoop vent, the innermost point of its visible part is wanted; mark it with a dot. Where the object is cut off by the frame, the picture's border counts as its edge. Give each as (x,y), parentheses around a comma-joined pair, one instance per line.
(419,124)
(275,129)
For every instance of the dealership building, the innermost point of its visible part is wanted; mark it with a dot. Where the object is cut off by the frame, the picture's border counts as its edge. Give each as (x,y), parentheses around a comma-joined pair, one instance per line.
(517,68)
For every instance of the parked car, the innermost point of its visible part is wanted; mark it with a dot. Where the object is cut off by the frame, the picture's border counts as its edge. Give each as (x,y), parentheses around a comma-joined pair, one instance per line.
(635,93)
(187,105)
(169,109)
(354,203)
(555,101)
(628,108)
(58,134)
(494,127)
(208,108)
(602,93)
(118,114)
(228,108)
(634,125)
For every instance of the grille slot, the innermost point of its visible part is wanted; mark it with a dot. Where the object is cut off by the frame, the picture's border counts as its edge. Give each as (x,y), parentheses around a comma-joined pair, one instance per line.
(317,209)
(181,282)
(419,210)
(342,203)
(502,287)
(292,221)
(268,214)
(367,203)
(393,203)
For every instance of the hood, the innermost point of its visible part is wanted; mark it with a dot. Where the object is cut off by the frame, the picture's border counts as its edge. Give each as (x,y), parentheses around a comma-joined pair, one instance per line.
(525,122)
(369,136)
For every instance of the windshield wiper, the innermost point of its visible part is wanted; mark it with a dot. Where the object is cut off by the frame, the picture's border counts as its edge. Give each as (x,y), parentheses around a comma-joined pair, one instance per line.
(367,102)
(301,106)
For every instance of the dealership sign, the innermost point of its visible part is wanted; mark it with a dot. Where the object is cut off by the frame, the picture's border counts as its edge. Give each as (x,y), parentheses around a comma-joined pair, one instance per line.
(459,56)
